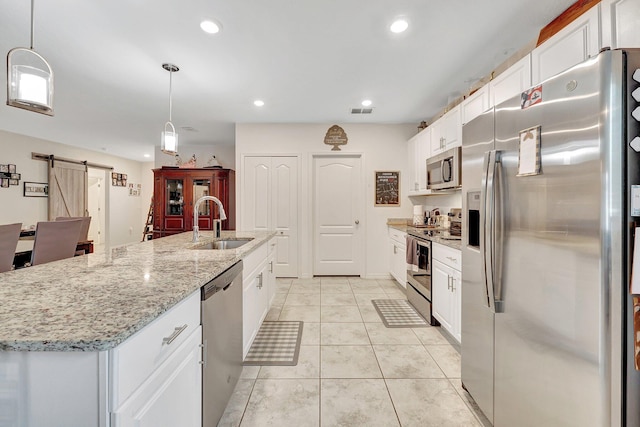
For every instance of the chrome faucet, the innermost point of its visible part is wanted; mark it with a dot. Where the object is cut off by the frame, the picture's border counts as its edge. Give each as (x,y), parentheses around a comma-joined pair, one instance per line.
(216,226)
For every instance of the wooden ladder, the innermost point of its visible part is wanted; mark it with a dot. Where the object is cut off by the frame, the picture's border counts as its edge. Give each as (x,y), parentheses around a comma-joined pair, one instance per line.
(147,232)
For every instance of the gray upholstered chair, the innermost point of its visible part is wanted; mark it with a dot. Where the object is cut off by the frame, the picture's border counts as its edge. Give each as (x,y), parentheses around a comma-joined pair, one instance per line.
(9,235)
(55,240)
(84,231)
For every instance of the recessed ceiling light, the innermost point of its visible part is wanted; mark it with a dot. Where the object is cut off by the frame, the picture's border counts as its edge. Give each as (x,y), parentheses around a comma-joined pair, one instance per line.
(258,103)
(210,27)
(146,155)
(399,26)
(366,103)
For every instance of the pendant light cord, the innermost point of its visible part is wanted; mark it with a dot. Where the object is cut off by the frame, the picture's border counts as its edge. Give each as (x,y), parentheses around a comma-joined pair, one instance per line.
(32,1)
(170,92)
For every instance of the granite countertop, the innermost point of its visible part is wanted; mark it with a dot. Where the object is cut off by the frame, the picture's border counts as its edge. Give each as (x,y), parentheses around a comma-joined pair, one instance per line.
(455,244)
(96,301)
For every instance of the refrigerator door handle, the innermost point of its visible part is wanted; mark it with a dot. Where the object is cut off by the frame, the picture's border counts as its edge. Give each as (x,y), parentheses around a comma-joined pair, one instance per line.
(485,230)
(488,240)
(497,225)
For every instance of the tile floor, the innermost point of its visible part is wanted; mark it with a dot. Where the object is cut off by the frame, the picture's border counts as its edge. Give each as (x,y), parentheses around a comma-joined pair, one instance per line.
(352,370)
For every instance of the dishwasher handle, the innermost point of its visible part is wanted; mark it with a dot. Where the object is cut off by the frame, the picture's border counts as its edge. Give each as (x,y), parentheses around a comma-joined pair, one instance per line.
(221,281)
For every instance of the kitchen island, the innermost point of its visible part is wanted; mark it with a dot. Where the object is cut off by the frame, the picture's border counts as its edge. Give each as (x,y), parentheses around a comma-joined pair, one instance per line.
(65,353)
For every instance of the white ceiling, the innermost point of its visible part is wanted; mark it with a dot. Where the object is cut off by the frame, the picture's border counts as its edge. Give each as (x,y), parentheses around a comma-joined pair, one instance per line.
(311,61)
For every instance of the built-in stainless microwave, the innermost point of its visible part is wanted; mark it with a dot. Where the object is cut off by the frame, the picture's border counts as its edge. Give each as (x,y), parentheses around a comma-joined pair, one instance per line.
(443,170)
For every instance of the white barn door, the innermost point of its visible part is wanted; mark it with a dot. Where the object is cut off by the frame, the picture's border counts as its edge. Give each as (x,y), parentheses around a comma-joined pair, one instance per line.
(338,213)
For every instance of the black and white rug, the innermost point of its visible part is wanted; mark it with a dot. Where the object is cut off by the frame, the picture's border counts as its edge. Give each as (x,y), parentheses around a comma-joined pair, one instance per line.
(277,343)
(398,313)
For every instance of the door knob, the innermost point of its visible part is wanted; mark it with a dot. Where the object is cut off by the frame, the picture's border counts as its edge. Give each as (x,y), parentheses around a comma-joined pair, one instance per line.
(357,221)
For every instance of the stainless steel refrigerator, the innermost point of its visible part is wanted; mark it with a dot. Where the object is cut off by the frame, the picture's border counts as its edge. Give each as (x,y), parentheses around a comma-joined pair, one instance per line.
(547,182)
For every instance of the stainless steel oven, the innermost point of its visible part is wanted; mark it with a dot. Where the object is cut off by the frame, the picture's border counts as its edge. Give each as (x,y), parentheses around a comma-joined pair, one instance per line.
(419,277)
(443,170)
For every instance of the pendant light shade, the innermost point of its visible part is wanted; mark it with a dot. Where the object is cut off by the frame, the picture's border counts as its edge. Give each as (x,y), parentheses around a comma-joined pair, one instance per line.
(29,79)
(169,137)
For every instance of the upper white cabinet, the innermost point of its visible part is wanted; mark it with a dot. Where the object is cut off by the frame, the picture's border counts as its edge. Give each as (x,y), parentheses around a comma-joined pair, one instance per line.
(620,23)
(446,132)
(514,80)
(418,151)
(476,104)
(573,44)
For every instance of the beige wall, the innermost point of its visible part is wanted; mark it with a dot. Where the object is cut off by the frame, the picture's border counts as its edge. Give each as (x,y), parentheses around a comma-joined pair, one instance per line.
(125,214)
(383,147)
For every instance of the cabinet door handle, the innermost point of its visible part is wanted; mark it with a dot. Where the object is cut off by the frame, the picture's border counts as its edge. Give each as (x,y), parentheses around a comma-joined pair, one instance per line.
(395,249)
(453,282)
(203,346)
(270,266)
(449,282)
(260,281)
(452,259)
(177,331)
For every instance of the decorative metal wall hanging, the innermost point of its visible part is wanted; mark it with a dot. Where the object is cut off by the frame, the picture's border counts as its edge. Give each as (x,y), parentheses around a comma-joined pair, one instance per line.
(9,176)
(336,136)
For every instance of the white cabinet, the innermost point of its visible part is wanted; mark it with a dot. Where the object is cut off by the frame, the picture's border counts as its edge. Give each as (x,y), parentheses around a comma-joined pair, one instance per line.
(573,44)
(145,381)
(171,395)
(476,104)
(269,193)
(446,132)
(513,81)
(418,151)
(258,284)
(398,255)
(620,23)
(445,285)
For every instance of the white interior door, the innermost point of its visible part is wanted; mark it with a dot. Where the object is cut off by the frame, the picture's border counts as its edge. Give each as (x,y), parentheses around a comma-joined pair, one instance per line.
(337,207)
(270,202)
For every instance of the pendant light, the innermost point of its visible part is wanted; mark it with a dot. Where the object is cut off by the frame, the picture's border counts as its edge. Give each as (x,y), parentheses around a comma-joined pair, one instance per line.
(169,142)
(29,79)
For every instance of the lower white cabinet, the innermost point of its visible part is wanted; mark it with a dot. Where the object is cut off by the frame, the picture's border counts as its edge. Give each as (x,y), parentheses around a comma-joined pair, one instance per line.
(171,396)
(446,280)
(258,284)
(145,381)
(398,256)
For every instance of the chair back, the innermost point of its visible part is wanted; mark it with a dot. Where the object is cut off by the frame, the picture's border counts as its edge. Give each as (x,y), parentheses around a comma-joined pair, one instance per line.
(55,240)
(84,231)
(9,235)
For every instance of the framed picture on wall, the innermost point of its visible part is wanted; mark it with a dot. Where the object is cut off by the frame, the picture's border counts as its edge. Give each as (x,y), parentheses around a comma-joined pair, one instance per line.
(36,189)
(12,168)
(387,188)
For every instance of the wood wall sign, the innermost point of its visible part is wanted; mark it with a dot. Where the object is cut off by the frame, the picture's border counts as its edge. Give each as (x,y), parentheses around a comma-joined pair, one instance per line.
(336,136)
(388,188)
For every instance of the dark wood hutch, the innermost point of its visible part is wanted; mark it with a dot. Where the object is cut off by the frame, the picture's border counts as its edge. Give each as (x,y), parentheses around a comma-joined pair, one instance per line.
(175,191)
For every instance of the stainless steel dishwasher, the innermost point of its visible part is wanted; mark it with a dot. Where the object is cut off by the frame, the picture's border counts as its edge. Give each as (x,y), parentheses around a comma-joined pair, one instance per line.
(222,342)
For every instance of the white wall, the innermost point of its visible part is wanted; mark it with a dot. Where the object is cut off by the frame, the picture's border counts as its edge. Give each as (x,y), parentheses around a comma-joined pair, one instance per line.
(384,147)
(124,210)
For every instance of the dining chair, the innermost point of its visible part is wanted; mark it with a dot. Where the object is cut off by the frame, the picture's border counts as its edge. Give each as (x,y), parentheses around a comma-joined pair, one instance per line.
(9,235)
(86,223)
(55,240)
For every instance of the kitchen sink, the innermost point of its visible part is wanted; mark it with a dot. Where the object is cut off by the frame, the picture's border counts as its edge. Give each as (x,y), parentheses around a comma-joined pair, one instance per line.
(224,244)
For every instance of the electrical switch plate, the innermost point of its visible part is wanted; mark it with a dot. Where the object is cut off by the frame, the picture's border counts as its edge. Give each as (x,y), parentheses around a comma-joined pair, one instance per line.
(636,75)
(635,144)
(635,200)
(636,114)
(636,94)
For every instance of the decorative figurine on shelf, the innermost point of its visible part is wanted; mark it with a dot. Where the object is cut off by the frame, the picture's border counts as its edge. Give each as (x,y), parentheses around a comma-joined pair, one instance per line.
(422,125)
(213,162)
(189,164)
